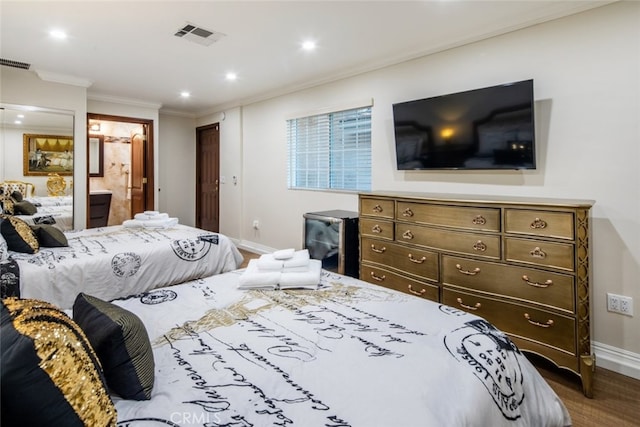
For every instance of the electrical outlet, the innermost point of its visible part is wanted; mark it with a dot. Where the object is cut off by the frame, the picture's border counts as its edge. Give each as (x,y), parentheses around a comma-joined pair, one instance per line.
(256,224)
(620,304)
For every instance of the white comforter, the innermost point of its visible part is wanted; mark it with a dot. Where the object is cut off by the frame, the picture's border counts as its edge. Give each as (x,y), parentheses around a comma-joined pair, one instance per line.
(115,261)
(348,354)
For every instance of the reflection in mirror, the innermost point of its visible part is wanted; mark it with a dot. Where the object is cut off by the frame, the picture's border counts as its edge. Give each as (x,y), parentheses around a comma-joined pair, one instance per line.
(96,155)
(15,122)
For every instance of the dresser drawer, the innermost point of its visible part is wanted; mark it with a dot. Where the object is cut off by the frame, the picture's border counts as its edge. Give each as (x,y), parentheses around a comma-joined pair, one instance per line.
(382,277)
(382,208)
(550,254)
(539,223)
(522,320)
(380,229)
(554,290)
(471,218)
(484,245)
(405,259)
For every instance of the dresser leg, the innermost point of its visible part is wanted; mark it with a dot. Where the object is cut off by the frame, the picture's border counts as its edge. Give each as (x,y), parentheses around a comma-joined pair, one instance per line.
(587,369)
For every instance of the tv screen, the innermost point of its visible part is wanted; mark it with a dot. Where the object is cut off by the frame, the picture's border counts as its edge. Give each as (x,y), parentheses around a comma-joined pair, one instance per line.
(488,128)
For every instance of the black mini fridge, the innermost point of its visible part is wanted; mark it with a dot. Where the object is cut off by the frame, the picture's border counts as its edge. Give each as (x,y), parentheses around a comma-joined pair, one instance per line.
(332,236)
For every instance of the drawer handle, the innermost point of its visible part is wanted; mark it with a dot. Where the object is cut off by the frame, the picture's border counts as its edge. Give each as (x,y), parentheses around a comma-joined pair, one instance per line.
(376,229)
(407,235)
(479,246)
(407,213)
(378,278)
(542,325)
(378,251)
(537,284)
(417,261)
(479,220)
(419,293)
(538,224)
(538,253)
(468,307)
(467,272)
(377,208)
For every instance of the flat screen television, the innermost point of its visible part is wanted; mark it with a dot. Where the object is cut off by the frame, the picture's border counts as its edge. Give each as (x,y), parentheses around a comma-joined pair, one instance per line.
(488,128)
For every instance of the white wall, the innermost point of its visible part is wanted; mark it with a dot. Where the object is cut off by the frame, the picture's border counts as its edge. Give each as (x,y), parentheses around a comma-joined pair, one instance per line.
(176,163)
(586,71)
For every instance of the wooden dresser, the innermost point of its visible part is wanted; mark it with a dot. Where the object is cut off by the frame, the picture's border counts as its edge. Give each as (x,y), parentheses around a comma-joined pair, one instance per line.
(521,263)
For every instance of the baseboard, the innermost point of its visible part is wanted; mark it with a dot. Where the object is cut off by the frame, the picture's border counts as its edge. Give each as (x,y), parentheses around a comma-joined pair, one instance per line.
(617,360)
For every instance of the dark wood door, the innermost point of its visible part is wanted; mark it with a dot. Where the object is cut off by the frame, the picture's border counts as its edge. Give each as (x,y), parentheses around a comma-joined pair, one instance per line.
(138,181)
(207,178)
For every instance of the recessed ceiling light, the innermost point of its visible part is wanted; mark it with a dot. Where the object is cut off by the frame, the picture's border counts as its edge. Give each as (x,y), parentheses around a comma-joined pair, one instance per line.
(17,122)
(20,116)
(58,34)
(185,94)
(231,76)
(309,45)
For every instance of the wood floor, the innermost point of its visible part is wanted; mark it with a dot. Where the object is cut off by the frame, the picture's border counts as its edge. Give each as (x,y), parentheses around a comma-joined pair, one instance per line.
(616,398)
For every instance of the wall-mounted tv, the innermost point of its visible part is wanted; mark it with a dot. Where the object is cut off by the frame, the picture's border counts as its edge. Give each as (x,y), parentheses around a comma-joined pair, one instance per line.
(488,128)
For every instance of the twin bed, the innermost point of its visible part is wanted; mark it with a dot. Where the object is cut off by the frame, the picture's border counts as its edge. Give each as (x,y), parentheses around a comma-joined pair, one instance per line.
(348,353)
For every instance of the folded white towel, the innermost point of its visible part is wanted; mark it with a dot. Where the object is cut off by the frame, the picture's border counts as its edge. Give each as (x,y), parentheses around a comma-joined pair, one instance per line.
(308,279)
(254,278)
(151,223)
(284,254)
(151,213)
(299,259)
(267,262)
(145,216)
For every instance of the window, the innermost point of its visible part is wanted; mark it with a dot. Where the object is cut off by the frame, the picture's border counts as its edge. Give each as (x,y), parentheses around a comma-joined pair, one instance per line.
(330,151)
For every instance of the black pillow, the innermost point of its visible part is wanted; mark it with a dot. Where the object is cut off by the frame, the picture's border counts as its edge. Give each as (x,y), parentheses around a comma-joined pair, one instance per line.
(50,236)
(121,343)
(19,236)
(24,208)
(50,376)
(17,196)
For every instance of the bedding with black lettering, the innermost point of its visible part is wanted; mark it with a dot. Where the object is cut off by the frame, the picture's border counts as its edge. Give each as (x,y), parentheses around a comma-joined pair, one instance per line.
(347,354)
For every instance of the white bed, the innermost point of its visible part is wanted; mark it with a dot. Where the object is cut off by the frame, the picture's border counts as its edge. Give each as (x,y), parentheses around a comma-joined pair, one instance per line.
(111,262)
(52,210)
(347,354)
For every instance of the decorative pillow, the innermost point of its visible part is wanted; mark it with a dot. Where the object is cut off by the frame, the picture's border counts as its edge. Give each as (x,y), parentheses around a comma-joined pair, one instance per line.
(7,205)
(50,376)
(122,344)
(17,196)
(19,236)
(49,236)
(4,249)
(24,208)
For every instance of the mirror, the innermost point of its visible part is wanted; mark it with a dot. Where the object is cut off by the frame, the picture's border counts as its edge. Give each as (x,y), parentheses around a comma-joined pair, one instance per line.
(96,155)
(16,121)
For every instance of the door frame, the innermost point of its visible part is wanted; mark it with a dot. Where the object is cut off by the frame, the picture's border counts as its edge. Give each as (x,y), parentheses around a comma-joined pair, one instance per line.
(148,155)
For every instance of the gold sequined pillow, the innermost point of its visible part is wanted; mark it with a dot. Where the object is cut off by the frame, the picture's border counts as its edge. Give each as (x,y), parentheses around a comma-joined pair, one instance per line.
(50,375)
(7,205)
(19,236)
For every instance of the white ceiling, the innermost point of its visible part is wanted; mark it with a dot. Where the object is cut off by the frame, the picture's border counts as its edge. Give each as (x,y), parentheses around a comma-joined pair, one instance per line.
(126,50)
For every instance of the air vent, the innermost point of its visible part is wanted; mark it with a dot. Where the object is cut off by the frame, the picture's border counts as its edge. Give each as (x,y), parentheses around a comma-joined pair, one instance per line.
(14,64)
(199,35)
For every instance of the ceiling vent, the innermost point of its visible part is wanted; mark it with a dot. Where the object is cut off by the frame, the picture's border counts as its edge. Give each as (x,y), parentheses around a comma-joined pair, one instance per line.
(14,64)
(199,35)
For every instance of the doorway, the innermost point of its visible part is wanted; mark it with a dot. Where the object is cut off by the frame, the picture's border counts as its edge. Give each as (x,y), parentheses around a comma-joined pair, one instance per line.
(207,177)
(127,165)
